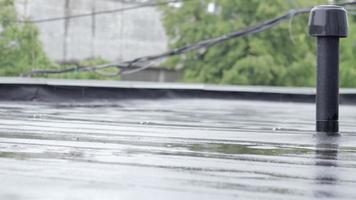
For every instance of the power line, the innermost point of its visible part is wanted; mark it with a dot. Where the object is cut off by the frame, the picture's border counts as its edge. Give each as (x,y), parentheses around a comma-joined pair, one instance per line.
(103,12)
(141,63)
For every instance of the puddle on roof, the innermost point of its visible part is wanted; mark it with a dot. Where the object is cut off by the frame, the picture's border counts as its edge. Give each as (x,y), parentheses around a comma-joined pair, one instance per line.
(173,149)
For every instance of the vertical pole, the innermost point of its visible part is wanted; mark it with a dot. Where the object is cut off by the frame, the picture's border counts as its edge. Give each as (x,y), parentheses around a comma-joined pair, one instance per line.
(327,98)
(66,30)
(328,23)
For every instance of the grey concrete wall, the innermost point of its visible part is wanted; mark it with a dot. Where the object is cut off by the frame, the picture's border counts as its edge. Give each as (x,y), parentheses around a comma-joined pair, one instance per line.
(154,75)
(114,37)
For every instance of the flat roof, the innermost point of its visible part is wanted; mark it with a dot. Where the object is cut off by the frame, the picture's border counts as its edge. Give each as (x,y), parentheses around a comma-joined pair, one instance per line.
(173,149)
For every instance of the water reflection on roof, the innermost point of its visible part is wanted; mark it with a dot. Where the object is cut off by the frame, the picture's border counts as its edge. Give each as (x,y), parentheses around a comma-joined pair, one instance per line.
(173,149)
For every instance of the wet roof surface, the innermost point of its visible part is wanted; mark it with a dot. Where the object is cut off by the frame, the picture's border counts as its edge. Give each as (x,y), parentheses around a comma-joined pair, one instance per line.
(173,149)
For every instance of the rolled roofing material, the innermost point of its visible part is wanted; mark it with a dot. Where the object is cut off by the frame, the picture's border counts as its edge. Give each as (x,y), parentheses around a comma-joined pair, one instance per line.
(173,149)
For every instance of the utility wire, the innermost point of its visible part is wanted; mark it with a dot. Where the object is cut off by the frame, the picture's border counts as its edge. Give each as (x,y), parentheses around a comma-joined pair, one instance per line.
(141,62)
(103,12)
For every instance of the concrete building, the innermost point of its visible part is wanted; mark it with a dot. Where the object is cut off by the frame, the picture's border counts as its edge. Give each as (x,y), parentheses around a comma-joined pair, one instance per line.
(112,36)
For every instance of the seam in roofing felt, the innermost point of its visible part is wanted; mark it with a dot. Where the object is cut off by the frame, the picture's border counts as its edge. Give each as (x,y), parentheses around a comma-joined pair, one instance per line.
(17,88)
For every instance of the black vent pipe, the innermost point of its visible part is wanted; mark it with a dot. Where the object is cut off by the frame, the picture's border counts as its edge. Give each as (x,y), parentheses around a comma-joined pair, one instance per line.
(328,23)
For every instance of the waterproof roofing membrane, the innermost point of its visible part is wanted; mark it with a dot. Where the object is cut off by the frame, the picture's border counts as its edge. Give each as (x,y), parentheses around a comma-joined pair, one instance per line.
(172,148)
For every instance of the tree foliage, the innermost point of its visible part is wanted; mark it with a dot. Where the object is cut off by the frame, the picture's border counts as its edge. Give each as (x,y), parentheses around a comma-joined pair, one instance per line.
(348,58)
(20,48)
(283,55)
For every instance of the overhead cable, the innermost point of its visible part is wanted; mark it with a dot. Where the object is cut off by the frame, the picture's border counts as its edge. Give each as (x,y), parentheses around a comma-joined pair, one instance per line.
(205,44)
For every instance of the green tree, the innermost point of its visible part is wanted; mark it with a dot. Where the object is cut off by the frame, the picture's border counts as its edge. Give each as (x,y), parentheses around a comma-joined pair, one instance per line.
(20,48)
(283,55)
(348,58)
